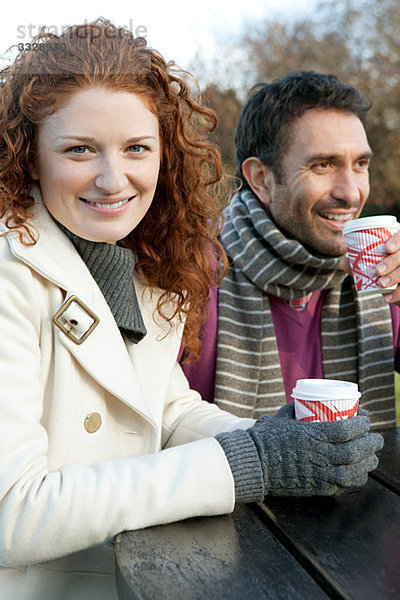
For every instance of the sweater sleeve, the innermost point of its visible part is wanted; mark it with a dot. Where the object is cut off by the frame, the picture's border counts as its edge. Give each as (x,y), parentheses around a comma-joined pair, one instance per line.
(395,312)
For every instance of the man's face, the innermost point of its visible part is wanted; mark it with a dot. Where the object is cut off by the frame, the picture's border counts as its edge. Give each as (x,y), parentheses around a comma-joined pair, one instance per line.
(325,179)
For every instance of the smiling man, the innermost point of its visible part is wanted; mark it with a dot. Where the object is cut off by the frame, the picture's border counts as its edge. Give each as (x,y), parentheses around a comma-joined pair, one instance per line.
(287,309)
(322,180)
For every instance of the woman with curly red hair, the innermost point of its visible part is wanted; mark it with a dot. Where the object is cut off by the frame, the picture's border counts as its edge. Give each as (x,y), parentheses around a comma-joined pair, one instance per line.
(108,247)
(107,227)
(172,240)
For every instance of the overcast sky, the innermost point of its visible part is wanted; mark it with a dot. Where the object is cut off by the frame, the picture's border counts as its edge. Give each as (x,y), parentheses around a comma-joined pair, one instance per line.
(173,27)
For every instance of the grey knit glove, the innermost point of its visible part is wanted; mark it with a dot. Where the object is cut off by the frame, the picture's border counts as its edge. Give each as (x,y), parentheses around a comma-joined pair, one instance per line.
(300,459)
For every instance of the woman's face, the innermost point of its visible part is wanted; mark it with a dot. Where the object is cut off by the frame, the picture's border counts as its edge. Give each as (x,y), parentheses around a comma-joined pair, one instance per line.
(97,163)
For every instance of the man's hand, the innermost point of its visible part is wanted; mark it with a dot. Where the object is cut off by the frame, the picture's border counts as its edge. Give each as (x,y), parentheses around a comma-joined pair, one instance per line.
(389,269)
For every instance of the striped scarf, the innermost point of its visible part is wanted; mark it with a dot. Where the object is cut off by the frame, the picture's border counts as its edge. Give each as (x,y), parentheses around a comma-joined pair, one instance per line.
(356,330)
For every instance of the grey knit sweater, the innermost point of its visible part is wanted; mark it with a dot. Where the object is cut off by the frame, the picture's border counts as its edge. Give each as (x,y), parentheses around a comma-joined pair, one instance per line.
(112,268)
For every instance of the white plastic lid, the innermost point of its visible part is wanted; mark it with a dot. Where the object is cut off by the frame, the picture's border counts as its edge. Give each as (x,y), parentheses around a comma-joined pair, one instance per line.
(325,389)
(387,221)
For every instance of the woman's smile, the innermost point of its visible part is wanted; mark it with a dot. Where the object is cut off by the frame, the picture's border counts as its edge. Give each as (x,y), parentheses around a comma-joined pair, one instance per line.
(108,205)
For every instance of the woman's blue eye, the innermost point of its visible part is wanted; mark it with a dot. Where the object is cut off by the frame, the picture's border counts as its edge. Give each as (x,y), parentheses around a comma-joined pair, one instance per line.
(135,148)
(78,149)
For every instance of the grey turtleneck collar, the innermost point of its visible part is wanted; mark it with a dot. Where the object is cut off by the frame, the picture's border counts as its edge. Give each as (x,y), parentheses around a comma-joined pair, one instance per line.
(111,266)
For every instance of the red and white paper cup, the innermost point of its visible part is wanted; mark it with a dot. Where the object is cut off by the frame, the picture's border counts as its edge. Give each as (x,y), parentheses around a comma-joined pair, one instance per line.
(365,241)
(319,400)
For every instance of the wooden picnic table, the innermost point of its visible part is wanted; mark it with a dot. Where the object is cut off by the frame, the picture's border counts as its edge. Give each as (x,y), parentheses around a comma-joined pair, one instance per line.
(344,547)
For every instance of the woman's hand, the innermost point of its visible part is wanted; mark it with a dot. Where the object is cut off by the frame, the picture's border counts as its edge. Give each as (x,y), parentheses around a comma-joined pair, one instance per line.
(314,459)
(280,456)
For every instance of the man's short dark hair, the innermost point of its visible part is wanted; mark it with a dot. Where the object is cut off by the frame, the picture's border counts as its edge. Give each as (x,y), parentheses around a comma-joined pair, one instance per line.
(264,124)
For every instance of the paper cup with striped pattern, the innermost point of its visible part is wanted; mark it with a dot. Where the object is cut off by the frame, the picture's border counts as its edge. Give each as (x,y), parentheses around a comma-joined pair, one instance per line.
(365,241)
(318,400)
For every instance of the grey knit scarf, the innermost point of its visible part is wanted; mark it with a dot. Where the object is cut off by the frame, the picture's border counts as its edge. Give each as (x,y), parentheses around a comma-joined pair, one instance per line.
(111,266)
(356,330)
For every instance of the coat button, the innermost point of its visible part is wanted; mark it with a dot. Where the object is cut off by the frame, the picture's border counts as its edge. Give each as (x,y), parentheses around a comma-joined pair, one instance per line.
(92,422)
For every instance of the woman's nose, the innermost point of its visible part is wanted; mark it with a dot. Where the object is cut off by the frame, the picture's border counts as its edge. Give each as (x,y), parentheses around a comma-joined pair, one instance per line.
(111,178)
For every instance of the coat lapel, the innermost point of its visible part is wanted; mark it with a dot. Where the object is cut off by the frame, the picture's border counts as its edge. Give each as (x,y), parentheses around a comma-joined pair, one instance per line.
(103,353)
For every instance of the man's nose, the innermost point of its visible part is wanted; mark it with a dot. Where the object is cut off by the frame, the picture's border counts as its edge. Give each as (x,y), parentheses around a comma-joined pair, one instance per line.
(111,177)
(348,187)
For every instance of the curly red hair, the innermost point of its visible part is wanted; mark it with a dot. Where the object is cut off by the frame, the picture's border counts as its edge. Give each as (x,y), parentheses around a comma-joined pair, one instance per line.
(176,243)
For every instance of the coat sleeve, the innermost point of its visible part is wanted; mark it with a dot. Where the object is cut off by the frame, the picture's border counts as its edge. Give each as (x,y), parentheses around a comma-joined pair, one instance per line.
(187,417)
(46,514)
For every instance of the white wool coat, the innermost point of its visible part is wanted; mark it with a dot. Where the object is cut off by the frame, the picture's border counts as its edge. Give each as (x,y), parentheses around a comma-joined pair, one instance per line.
(91,434)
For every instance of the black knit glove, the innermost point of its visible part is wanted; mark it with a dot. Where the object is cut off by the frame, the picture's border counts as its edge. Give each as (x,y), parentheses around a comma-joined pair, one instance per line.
(300,459)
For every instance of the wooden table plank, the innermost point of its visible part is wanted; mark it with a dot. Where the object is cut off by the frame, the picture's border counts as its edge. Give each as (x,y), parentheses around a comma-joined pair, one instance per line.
(353,540)
(388,471)
(231,557)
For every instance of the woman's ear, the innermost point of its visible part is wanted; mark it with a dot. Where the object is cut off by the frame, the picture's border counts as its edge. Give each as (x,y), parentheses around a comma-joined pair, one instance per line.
(32,170)
(258,177)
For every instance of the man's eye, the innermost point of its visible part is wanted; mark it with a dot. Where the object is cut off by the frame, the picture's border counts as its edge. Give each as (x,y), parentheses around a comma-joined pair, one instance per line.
(364,163)
(323,165)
